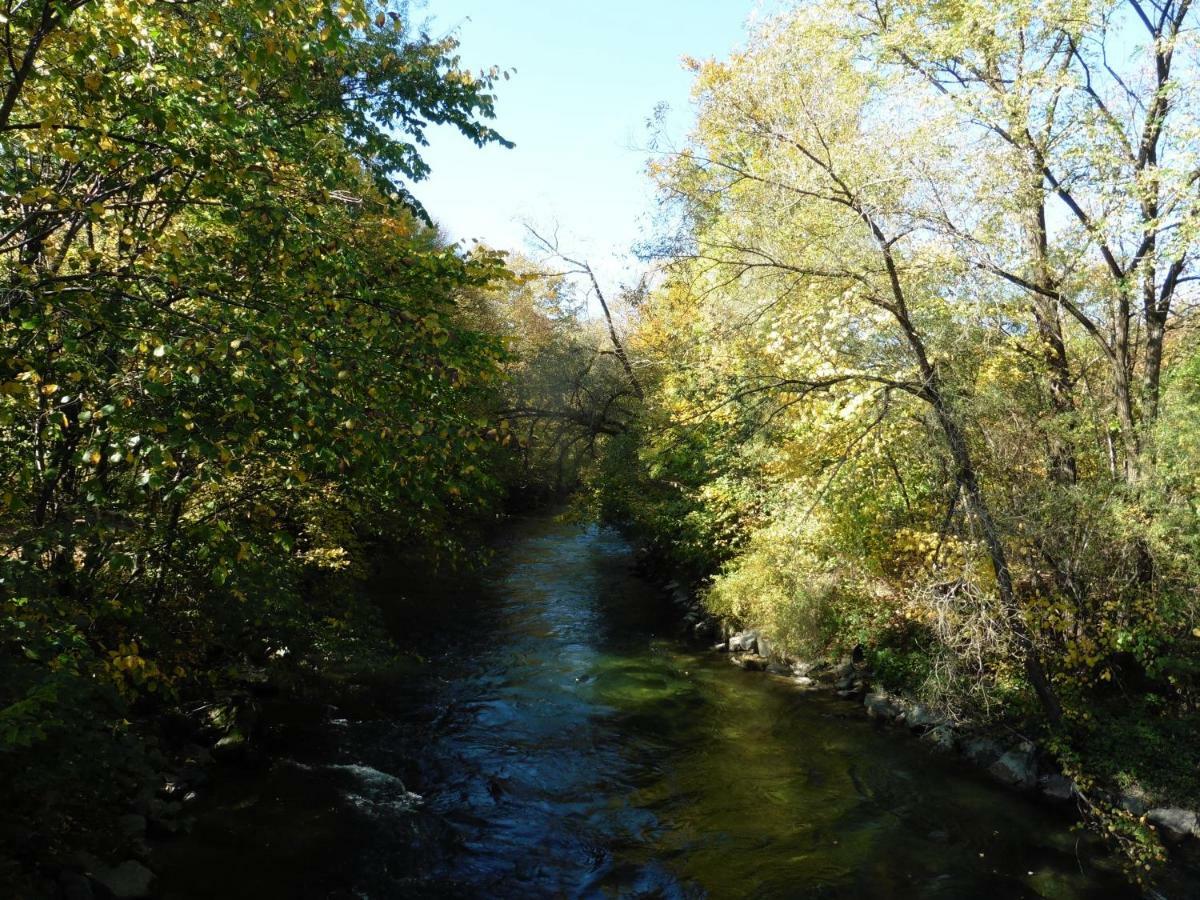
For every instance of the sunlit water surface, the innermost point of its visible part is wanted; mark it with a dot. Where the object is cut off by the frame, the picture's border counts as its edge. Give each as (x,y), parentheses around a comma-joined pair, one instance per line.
(558,741)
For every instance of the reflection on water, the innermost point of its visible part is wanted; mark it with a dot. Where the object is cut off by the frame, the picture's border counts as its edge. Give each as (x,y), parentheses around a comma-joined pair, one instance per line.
(559,743)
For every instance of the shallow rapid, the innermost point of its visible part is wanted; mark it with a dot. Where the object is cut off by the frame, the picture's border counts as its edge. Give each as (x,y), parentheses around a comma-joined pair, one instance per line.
(557,740)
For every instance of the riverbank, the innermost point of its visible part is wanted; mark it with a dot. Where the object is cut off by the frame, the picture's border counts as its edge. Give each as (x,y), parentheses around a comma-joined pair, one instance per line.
(1018,754)
(177,753)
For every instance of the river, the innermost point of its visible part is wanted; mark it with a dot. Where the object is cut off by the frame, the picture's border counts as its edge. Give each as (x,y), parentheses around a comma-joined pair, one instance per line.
(559,741)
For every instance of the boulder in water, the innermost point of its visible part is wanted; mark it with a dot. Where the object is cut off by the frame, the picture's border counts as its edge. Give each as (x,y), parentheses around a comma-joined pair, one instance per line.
(744,642)
(881,706)
(981,751)
(1177,824)
(920,717)
(751,662)
(1017,767)
(941,738)
(1057,787)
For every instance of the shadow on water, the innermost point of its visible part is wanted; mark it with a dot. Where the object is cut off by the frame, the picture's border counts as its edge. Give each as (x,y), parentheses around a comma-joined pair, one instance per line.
(557,743)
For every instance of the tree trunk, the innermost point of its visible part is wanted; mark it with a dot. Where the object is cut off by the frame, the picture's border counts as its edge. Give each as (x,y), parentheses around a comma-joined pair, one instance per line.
(1062,464)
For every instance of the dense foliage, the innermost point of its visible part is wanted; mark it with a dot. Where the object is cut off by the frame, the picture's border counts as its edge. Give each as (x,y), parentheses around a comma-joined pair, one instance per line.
(234,351)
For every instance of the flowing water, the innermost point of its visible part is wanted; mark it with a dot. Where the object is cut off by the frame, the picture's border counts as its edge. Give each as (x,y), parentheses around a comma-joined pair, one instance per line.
(559,741)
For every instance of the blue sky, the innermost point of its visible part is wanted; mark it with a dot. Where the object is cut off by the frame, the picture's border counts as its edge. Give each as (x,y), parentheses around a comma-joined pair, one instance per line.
(588,77)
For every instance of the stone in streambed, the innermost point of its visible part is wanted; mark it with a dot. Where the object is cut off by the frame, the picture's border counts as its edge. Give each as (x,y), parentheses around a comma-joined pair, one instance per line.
(920,717)
(1017,767)
(751,662)
(744,642)
(881,706)
(1057,787)
(1134,801)
(1175,823)
(802,667)
(941,738)
(982,751)
(232,747)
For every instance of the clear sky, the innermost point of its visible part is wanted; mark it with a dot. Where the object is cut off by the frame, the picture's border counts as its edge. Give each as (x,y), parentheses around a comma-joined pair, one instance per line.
(588,78)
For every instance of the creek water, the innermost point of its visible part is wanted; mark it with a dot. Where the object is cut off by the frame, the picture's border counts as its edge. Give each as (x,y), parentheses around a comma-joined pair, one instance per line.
(558,741)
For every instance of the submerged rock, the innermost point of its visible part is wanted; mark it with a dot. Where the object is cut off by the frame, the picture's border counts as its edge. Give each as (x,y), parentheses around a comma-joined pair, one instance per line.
(751,662)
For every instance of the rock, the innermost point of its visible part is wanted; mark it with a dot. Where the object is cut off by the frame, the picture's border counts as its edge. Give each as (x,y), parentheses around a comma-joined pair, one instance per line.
(128,881)
(942,738)
(1174,822)
(231,747)
(920,717)
(1017,767)
(804,681)
(1134,801)
(764,647)
(1057,787)
(842,671)
(881,706)
(721,647)
(775,667)
(132,825)
(744,642)
(751,662)
(981,751)
(801,667)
